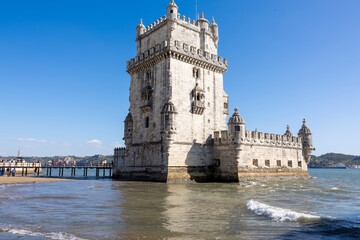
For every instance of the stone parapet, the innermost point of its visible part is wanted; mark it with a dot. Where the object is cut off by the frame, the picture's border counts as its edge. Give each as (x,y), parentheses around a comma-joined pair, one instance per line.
(181,51)
(119,152)
(259,138)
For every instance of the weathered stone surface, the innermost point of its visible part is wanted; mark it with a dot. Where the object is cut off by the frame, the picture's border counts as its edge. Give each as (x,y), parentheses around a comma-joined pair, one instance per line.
(176,126)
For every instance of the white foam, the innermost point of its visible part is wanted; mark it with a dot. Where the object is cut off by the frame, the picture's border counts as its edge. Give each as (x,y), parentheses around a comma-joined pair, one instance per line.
(251,184)
(52,235)
(334,188)
(277,214)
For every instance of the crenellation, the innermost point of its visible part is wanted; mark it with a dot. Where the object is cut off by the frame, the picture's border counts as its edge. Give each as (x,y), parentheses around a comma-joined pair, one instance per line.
(185,49)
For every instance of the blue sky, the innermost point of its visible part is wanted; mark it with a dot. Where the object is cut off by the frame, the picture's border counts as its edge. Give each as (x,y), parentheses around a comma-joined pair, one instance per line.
(64,89)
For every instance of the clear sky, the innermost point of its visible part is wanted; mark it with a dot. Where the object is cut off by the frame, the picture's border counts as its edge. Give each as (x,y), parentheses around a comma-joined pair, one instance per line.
(64,87)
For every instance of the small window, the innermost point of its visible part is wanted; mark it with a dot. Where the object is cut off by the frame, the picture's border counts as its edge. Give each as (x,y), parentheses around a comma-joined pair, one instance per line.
(290,163)
(146,122)
(299,164)
(171,11)
(208,104)
(255,162)
(278,163)
(148,75)
(267,163)
(225,105)
(198,97)
(196,72)
(237,128)
(217,162)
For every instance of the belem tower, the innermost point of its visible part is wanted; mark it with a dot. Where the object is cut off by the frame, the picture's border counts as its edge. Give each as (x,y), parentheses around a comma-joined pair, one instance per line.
(176,127)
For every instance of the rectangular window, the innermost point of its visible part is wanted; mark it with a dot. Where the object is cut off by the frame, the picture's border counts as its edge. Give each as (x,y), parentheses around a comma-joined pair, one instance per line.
(146,122)
(267,163)
(299,164)
(237,128)
(278,163)
(225,105)
(217,162)
(255,162)
(289,163)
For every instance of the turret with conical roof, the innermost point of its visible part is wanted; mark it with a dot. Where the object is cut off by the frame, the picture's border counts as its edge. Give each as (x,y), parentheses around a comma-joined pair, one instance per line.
(172,10)
(140,29)
(288,133)
(203,22)
(168,117)
(236,125)
(215,31)
(306,139)
(128,129)
(305,135)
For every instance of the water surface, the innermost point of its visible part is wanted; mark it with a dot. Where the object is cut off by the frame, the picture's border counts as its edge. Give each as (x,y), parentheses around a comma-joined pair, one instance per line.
(326,206)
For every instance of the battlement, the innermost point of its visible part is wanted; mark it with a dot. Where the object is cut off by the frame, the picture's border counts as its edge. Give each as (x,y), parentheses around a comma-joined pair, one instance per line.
(259,138)
(185,22)
(179,47)
(119,151)
(154,26)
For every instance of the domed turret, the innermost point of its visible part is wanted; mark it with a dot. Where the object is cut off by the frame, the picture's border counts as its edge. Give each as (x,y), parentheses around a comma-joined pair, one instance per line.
(306,138)
(172,10)
(288,133)
(140,29)
(202,22)
(236,125)
(215,31)
(169,107)
(128,130)
(168,117)
(236,118)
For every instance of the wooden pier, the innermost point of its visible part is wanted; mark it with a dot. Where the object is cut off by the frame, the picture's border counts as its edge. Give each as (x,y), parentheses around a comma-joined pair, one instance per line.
(58,170)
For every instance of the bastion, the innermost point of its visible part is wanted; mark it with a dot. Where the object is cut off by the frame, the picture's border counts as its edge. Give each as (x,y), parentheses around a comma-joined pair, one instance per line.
(176,128)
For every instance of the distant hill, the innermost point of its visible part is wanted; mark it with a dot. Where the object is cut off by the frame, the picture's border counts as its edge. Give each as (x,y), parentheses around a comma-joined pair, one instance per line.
(334,159)
(325,160)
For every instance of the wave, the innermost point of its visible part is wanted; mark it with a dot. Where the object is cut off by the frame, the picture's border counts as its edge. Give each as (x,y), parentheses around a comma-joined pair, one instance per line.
(52,235)
(276,213)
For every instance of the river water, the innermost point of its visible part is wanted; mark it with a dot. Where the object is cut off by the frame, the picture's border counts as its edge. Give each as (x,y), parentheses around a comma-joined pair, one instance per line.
(327,206)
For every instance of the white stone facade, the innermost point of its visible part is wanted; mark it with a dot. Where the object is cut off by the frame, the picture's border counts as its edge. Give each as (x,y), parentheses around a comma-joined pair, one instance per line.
(176,126)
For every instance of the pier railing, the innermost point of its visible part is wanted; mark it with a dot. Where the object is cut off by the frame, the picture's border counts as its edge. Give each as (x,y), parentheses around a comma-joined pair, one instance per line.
(37,167)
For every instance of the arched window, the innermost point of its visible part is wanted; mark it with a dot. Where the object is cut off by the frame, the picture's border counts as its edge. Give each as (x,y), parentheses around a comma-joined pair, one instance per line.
(146,122)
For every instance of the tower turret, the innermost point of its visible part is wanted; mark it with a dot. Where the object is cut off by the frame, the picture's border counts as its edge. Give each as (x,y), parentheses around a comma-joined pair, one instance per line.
(215,31)
(202,22)
(288,133)
(140,29)
(168,117)
(236,125)
(306,138)
(128,129)
(172,10)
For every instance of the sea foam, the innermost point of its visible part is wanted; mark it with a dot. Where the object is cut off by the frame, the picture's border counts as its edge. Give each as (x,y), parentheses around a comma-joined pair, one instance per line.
(52,235)
(276,213)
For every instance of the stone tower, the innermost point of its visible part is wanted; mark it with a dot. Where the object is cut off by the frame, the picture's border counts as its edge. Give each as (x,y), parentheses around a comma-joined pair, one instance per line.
(176,126)
(176,98)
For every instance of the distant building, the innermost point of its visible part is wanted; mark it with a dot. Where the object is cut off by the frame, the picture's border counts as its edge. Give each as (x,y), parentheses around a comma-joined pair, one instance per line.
(176,127)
